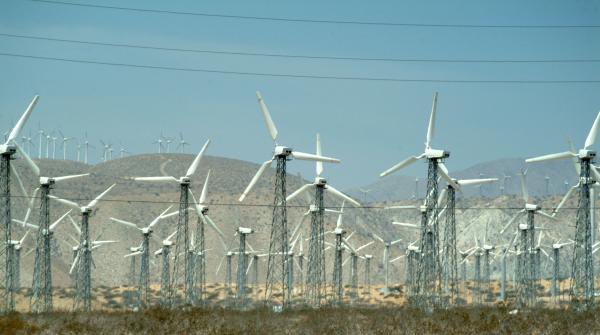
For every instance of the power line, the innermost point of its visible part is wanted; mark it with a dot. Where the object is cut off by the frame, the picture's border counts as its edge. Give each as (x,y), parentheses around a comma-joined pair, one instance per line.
(312,57)
(298,76)
(310,20)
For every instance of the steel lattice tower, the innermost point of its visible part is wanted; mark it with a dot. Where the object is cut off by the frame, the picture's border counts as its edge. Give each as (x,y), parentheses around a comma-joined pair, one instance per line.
(368,274)
(143,288)
(255,275)
(165,278)
(582,271)
(315,277)
(524,270)
(300,276)
(486,273)
(200,263)
(503,276)
(41,299)
(241,284)
(463,272)
(554,289)
(354,276)
(132,271)
(9,301)
(338,289)
(290,276)
(450,254)
(228,290)
(83,298)
(477,296)
(182,245)
(278,242)
(428,271)
(410,278)
(17,268)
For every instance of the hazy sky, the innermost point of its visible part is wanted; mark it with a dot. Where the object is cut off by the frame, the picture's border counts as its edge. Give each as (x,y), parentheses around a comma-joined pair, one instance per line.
(369,125)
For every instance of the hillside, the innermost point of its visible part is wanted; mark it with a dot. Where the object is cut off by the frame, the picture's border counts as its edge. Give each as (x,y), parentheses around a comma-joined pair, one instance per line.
(140,202)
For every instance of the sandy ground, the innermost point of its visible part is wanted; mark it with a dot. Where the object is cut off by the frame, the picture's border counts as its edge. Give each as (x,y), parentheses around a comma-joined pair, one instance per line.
(123,298)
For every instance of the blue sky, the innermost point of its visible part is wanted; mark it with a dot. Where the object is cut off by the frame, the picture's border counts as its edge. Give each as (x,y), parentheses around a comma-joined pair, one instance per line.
(369,125)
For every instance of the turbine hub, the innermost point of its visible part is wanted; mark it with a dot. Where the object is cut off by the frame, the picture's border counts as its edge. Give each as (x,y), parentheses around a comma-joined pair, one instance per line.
(320,181)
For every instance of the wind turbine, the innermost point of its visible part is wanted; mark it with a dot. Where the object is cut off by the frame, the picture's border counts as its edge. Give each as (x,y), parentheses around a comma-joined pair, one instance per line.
(14,250)
(159,141)
(182,143)
(86,147)
(165,278)
(41,299)
(7,150)
(84,260)
(386,259)
(183,241)
(201,208)
(65,141)
(582,278)
(430,279)
(278,246)
(354,266)
(449,239)
(316,256)
(143,287)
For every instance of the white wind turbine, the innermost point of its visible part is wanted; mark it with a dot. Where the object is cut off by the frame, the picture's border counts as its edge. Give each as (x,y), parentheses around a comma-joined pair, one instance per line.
(143,288)
(386,257)
(320,181)
(84,294)
(65,141)
(280,151)
(583,270)
(279,244)
(7,150)
(182,226)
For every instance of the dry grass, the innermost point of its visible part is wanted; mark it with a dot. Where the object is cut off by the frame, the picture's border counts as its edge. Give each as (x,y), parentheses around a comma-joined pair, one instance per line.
(306,321)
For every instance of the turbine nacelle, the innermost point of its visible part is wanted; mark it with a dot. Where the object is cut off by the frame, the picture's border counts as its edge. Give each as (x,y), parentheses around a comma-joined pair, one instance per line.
(86,210)
(146,230)
(532,207)
(523,226)
(244,231)
(184,180)
(436,154)
(585,154)
(46,181)
(7,149)
(338,231)
(368,256)
(320,181)
(282,151)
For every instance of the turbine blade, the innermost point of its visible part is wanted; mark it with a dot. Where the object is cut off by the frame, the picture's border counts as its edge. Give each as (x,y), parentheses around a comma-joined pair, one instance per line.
(204,193)
(268,120)
(443,172)
(469,182)
(564,199)
(95,201)
(319,153)
(76,227)
(216,228)
(19,181)
(30,163)
(524,192)
(125,223)
(192,169)
(299,191)
(65,202)
(157,179)
(17,129)
(259,173)
(63,178)
(512,220)
(560,155)
(311,157)
(75,261)
(399,166)
(431,126)
(591,138)
(53,226)
(341,195)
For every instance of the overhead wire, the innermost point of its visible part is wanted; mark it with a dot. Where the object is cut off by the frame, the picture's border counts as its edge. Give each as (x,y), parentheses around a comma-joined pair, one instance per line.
(298,76)
(296,56)
(319,21)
